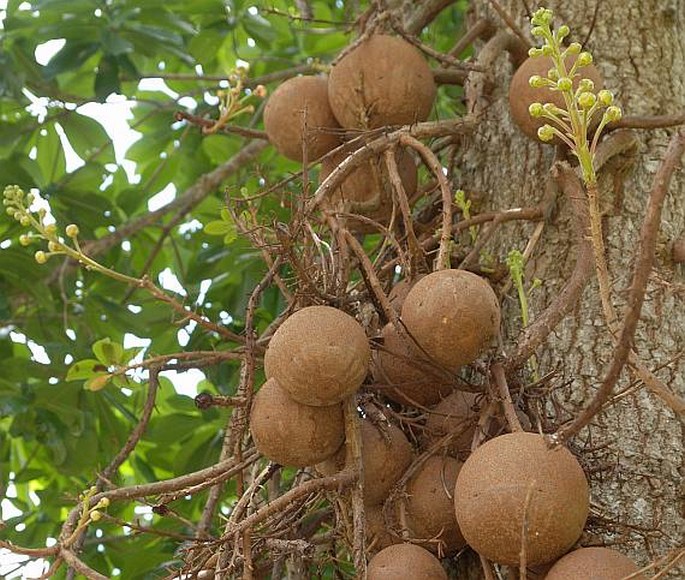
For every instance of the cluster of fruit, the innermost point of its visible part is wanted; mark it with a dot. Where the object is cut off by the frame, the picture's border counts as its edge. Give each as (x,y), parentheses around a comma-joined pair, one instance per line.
(514,494)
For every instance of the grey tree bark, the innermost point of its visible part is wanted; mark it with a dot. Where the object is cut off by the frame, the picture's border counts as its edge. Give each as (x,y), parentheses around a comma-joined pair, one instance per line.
(633,450)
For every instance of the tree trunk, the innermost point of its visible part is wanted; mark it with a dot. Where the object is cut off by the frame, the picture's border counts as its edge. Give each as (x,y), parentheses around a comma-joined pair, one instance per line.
(633,450)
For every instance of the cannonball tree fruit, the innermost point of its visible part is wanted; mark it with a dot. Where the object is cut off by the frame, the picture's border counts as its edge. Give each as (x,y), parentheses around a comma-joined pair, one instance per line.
(297,114)
(593,564)
(522,95)
(383,81)
(320,355)
(429,505)
(405,561)
(367,189)
(457,414)
(515,482)
(453,315)
(293,434)
(386,455)
(404,375)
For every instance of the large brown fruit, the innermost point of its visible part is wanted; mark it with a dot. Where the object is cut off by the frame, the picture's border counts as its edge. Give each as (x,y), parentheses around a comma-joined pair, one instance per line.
(403,561)
(404,374)
(593,564)
(385,457)
(456,413)
(319,355)
(453,315)
(301,103)
(515,479)
(522,95)
(429,504)
(367,190)
(293,434)
(383,81)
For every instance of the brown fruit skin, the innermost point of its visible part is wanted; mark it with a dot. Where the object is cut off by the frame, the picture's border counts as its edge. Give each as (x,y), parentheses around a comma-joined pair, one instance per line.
(383,81)
(399,292)
(284,117)
(404,561)
(490,496)
(293,434)
(456,413)
(453,315)
(384,461)
(377,534)
(522,95)
(405,377)
(593,564)
(367,190)
(319,355)
(429,508)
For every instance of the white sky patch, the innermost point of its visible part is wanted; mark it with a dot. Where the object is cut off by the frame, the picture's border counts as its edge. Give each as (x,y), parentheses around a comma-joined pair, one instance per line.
(5,244)
(183,335)
(185,382)
(45,51)
(38,352)
(204,288)
(169,281)
(162,198)
(190,227)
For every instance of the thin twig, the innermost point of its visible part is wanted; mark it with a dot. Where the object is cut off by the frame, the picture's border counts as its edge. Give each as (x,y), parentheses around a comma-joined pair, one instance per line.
(497,371)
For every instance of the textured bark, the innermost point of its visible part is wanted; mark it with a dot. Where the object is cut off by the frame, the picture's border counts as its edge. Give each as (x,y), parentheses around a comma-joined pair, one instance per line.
(633,451)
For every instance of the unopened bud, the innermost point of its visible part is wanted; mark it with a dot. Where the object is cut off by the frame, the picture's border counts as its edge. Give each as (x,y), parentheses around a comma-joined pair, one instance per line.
(546,133)
(613,114)
(71,230)
(51,229)
(536,110)
(586,100)
(586,85)
(605,97)
(40,256)
(24,240)
(95,516)
(564,84)
(584,59)
(574,48)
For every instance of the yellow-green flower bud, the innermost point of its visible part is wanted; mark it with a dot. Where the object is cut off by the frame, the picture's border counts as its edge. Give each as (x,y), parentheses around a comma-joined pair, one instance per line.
(586,100)
(537,31)
(563,31)
(574,48)
(564,84)
(104,502)
(553,74)
(53,246)
(547,50)
(546,133)
(40,256)
(586,85)
(95,516)
(584,59)
(25,220)
(30,198)
(42,212)
(613,114)
(536,110)
(71,230)
(24,240)
(605,98)
(51,229)
(537,82)
(534,52)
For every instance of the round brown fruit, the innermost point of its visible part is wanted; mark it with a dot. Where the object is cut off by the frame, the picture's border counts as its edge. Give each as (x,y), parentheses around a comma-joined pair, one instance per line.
(593,564)
(457,413)
(517,478)
(522,95)
(367,190)
(429,505)
(452,315)
(293,434)
(383,81)
(319,355)
(301,103)
(385,457)
(405,561)
(404,374)
(399,292)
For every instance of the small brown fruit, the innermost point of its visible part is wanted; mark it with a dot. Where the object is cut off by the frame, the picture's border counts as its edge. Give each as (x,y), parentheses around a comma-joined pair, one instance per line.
(429,505)
(522,95)
(515,480)
(453,315)
(319,355)
(367,190)
(404,374)
(457,413)
(383,81)
(293,434)
(301,103)
(593,564)
(403,561)
(385,457)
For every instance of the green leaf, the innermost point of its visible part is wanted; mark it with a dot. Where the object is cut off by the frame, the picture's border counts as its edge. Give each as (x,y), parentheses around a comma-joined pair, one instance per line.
(88,137)
(98,382)
(107,77)
(108,352)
